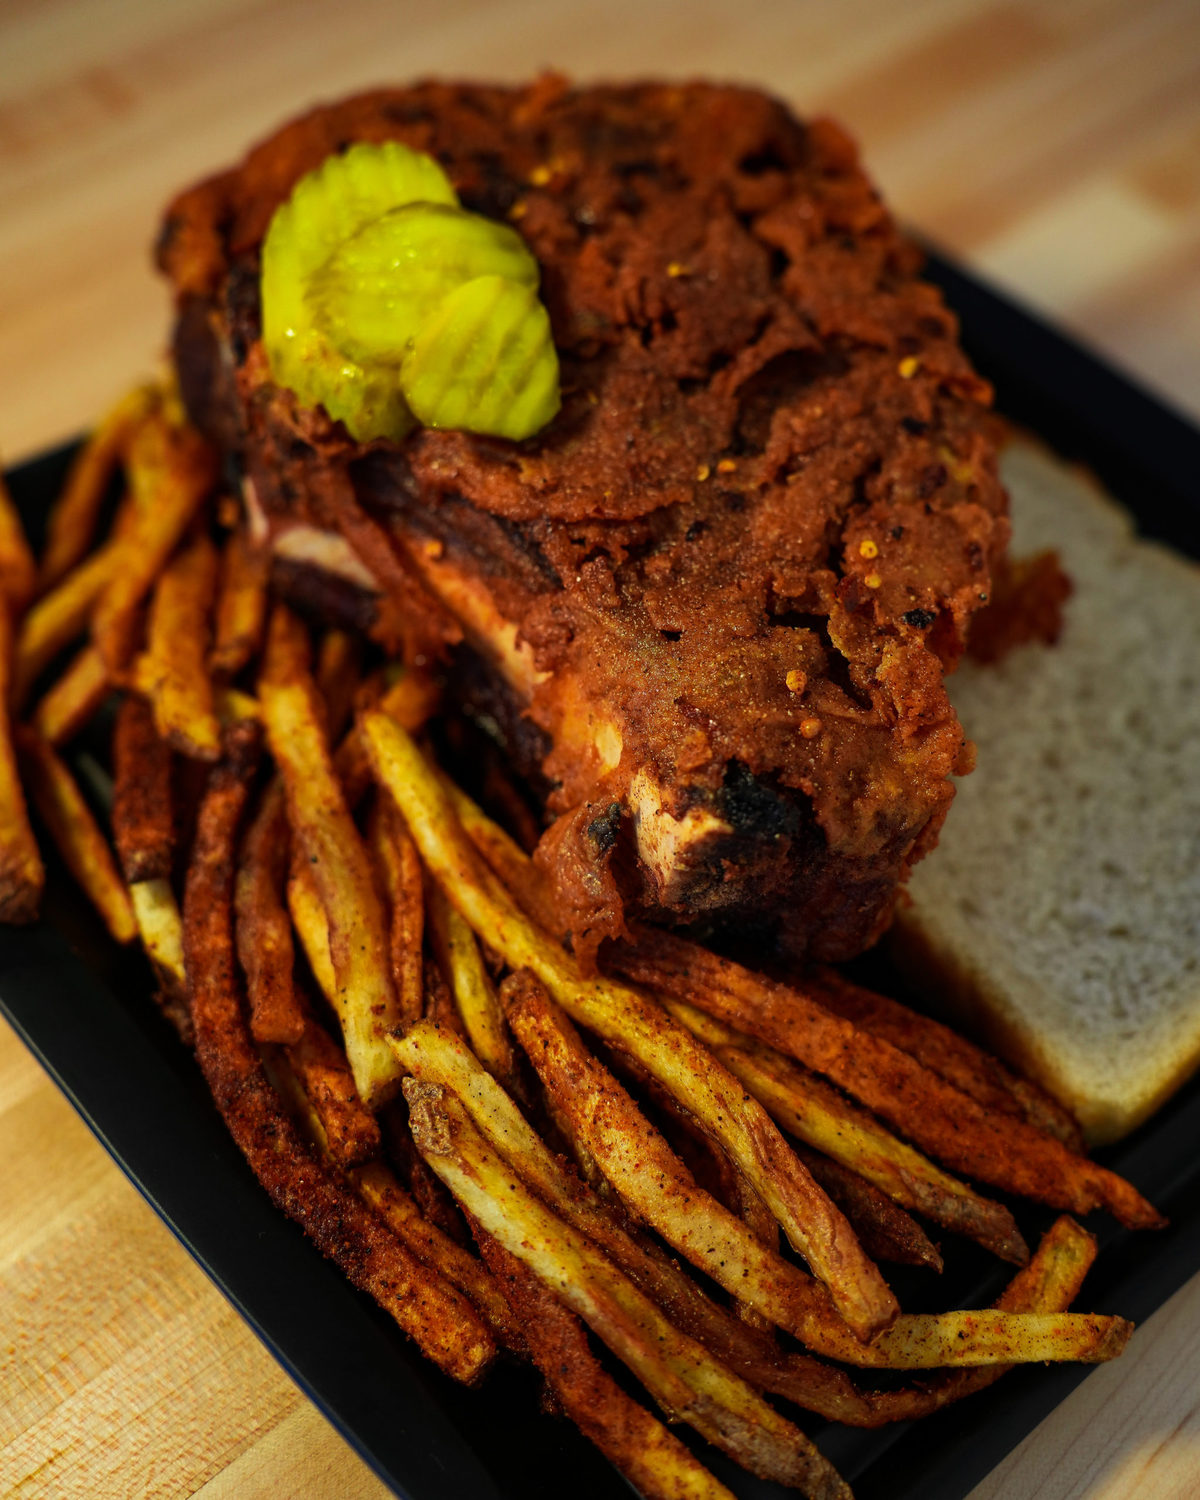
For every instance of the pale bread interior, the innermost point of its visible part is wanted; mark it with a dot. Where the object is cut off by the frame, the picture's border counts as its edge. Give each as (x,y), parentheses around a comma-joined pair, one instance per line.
(1060,913)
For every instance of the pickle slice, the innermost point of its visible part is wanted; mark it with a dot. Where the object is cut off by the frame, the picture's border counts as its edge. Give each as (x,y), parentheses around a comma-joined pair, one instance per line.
(484,360)
(376,289)
(386,303)
(326,207)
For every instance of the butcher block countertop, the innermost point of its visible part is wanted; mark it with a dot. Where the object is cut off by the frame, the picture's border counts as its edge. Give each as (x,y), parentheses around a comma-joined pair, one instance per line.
(1054,147)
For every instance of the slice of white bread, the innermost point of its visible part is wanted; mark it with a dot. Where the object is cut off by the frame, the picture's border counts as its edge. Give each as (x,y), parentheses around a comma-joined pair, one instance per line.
(1059,917)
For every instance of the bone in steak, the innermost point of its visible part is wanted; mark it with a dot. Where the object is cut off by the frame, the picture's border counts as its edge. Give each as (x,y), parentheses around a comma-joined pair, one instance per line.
(713,601)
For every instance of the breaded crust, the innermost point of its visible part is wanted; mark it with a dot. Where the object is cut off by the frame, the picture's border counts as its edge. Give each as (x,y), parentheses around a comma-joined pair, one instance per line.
(724,583)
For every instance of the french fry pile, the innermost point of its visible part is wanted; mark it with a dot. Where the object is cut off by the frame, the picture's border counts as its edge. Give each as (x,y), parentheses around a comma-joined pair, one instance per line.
(512,1156)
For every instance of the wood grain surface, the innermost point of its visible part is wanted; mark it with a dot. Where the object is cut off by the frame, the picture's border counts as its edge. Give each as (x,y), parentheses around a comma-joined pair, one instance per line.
(1056,147)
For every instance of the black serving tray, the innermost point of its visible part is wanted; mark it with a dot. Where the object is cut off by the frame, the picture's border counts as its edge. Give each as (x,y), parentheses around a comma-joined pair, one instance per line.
(86,1012)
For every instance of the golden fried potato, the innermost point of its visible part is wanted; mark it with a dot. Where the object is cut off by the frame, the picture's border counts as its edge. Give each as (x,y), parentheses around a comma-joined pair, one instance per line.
(61,807)
(335,859)
(21,874)
(174,673)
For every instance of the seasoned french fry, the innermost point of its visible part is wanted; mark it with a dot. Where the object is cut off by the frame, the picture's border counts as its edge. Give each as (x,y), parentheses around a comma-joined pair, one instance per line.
(351,1131)
(264,933)
(680,1373)
(179,686)
(992,1336)
(240,615)
(933,1114)
(647,1174)
(59,617)
(903,1242)
(474,993)
(654,1461)
(378,1186)
(22,877)
(326,840)
(808,1108)
(987,1336)
(435,1054)
(400,866)
(18,572)
(439,1002)
(74,699)
(286,1083)
(336,675)
(1048,1284)
(171,474)
(636,1025)
(433,1313)
(312,927)
(74,515)
(1054,1277)
(160,928)
(502,854)
(760,1222)
(288,651)
(428,1191)
(142,815)
(953,1057)
(411,699)
(61,807)
(884,1229)
(233,706)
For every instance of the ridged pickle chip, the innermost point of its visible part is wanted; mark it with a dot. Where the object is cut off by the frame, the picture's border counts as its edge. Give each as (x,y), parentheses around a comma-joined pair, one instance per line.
(387,303)
(485,361)
(326,207)
(373,293)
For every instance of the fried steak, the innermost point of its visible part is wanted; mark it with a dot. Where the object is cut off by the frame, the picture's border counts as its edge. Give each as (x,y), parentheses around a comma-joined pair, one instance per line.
(710,606)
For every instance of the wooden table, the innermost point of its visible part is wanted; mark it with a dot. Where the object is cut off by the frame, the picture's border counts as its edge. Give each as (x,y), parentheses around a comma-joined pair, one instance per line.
(1056,147)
